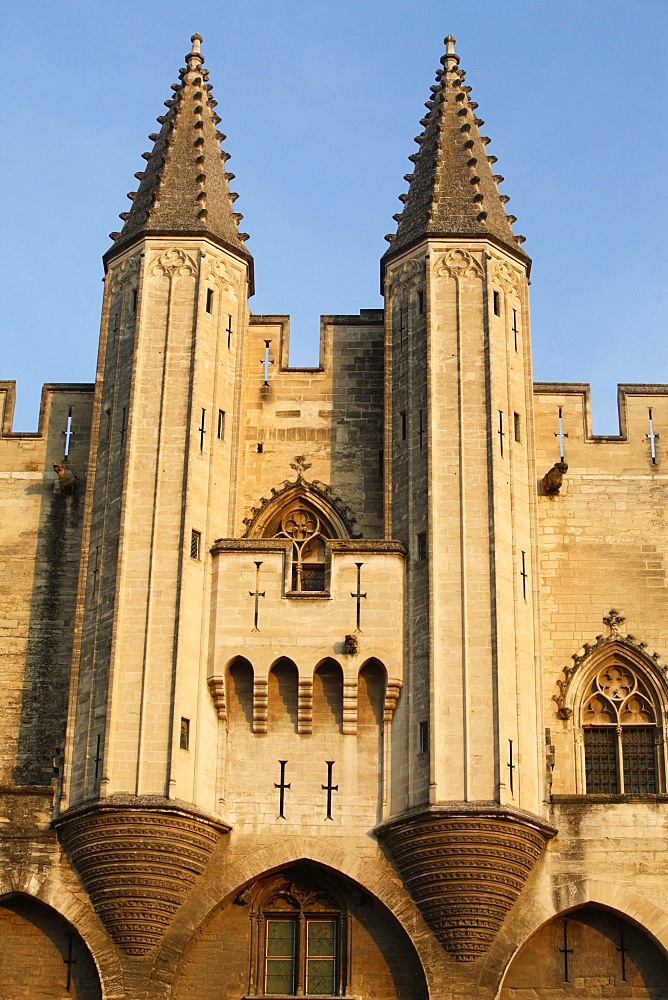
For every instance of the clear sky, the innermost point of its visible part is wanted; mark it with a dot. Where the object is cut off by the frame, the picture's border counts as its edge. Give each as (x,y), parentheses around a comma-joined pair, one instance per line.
(321,100)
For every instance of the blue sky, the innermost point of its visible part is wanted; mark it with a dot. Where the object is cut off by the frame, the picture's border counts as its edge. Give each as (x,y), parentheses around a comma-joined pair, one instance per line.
(320,101)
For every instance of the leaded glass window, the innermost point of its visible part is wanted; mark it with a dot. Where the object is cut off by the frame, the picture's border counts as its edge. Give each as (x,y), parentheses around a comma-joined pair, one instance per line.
(620,730)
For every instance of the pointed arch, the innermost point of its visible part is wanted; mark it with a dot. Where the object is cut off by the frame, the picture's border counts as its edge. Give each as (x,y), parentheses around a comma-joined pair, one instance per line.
(593,940)
(49,956)
(332,513)
(283,696)
(616,696)
(240,677)
(328,697)
(372,683)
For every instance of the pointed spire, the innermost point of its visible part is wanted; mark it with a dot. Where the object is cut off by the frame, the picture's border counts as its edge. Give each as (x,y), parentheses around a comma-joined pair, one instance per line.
(452,189)
(184,188)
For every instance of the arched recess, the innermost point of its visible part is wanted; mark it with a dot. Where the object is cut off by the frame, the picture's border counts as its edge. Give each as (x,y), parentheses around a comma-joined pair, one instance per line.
(372,684)
(44,955)
(328,697)
(240,694)
(614,698)
(590,944)
(283,697)
(301,930)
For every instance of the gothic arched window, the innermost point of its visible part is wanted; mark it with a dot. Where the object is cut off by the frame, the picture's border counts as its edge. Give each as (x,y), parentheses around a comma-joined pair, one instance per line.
(619,722)
(307,531)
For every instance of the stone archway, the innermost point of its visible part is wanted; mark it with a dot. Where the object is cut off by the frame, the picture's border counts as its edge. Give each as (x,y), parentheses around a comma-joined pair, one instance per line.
(42,954)
(592,951)
(227,956)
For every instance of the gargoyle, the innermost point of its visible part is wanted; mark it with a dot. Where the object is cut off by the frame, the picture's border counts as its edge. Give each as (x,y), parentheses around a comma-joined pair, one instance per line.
(68,481)
(553,479)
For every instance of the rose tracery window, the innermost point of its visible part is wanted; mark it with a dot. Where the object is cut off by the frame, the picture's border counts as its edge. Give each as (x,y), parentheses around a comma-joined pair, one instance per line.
(305,530)
(620,733)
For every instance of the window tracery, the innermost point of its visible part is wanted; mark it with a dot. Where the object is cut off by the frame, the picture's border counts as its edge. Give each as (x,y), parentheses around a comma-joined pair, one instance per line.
(307,533)
(619,722)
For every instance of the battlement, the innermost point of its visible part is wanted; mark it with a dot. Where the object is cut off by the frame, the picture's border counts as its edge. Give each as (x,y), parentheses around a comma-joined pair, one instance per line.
(333,331)
(63,429)
(563,415)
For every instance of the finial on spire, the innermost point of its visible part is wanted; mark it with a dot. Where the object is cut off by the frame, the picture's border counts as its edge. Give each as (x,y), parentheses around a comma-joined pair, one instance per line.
(450,53)
(195,55)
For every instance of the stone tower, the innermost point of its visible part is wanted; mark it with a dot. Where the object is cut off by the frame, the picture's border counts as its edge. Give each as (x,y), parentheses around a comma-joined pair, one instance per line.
(177,281)
(461,490)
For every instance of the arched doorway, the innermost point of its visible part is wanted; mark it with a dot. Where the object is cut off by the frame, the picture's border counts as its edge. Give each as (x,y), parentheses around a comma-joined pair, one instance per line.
(580,953)
(42,955)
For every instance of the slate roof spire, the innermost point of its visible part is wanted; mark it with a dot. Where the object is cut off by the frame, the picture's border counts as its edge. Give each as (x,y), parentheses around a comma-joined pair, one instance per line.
(453,190)
(184,188)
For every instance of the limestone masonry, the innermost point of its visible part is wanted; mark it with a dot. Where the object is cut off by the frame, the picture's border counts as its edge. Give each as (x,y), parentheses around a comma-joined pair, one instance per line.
(344,681)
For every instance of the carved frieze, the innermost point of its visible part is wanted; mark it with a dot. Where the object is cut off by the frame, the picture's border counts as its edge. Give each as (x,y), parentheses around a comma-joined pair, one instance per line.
(138,862)
(465,866)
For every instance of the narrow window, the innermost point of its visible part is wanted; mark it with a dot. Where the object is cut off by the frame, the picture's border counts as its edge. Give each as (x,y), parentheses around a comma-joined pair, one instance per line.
(134,300)
(515,330)
(424,737)
(202,431)
(281,957)
(195,540)
(221,425)
(184,736)
(209,300)
(518,427)
(402,415)
(260,448)
(420,302)
(422,546)
(497,304)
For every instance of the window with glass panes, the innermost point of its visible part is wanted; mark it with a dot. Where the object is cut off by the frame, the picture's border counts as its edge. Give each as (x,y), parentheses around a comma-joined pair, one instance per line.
(620,727)
(300,957)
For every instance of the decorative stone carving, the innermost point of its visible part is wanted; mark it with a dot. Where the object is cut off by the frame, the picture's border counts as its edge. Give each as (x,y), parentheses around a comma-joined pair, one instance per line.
(174,262)
(505,276)
(457,264)
(67,479)
(305,707)
(260,705)
(465,866)
(629,642)
(410,274)
(553,479)
(138,858)
(350,645)
(126,274)
(392,692)
(217,269)
(217,689)
(301,487)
